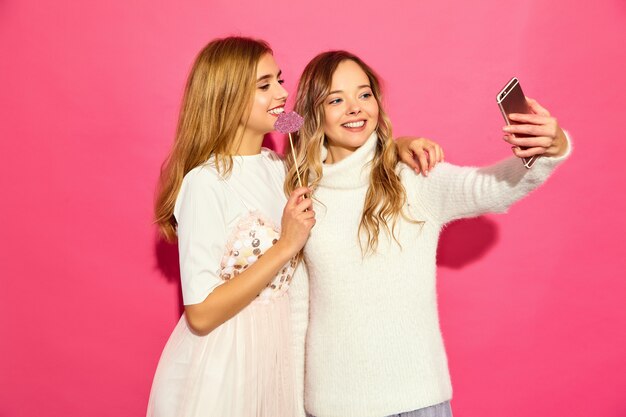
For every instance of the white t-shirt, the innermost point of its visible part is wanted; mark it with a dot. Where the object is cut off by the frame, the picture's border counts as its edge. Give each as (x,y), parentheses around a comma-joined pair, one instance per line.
(209,206)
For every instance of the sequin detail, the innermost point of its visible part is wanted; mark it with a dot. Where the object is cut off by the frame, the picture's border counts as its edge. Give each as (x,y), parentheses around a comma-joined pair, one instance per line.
(253,235)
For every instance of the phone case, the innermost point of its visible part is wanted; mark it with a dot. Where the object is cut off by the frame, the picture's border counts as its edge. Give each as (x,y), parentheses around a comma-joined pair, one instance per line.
(511,99)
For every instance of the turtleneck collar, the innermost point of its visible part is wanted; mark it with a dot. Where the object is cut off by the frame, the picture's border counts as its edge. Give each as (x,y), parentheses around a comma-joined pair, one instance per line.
(352,171)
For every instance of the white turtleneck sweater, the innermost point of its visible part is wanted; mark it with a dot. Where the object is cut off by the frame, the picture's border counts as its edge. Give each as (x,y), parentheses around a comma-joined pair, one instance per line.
(373,346)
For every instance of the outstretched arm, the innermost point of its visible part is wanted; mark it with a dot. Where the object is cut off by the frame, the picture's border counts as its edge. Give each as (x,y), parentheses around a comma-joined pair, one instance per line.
(453,192)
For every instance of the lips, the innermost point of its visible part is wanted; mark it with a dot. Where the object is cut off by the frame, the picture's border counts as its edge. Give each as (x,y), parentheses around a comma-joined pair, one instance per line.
(277,110)
(355,124)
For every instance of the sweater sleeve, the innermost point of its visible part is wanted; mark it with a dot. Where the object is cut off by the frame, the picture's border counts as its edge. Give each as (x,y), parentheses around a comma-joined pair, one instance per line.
(299,303)
(453,192)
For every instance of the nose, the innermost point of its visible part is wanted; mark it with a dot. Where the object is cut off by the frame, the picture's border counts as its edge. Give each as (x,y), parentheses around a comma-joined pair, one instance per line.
(353,108)
(281,93)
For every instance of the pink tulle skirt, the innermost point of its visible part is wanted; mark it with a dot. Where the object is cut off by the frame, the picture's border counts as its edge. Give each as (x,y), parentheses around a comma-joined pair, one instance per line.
(241,369)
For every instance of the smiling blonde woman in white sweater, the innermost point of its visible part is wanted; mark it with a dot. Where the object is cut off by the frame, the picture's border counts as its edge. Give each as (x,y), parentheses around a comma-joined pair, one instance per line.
(366,326)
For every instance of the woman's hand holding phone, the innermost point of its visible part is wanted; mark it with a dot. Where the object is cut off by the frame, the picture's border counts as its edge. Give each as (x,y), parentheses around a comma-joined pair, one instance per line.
(543,135)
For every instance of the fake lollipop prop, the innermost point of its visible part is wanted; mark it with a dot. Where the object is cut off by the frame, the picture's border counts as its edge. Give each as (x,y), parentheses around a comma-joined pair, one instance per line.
(289,123)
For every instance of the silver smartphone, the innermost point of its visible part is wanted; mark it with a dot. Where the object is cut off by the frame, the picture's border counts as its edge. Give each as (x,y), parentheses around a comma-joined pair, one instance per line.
(511,99)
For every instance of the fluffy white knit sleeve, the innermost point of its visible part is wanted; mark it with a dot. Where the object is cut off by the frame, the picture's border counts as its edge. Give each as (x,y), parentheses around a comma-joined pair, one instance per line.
(453,192)
(299,303)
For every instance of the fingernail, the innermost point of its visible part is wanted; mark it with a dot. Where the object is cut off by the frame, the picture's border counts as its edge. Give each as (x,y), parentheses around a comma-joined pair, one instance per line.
(426,172)
(506,128)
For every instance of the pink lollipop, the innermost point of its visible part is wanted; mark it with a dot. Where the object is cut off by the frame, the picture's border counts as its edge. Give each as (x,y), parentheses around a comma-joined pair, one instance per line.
(289,123)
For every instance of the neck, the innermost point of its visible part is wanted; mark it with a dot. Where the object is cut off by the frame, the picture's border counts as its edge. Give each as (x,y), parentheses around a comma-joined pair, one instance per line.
(250,142)
(353,170)
(338,153)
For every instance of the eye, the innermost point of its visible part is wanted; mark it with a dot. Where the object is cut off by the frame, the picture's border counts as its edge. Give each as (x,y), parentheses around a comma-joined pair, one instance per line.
(264,87)
(366,95)
(281,81)
(334,101)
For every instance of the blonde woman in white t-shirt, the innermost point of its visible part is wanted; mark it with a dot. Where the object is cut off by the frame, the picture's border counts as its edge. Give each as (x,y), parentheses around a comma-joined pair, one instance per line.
(229,353)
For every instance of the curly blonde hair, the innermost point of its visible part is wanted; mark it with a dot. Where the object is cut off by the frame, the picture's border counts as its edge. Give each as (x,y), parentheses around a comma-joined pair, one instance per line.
(386,195)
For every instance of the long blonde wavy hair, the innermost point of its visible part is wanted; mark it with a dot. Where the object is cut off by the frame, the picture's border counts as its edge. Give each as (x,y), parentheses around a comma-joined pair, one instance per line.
(217,98)
(386,195)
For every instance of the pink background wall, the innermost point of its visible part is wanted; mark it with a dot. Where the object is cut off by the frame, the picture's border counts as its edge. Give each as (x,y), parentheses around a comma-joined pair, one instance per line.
(532,303)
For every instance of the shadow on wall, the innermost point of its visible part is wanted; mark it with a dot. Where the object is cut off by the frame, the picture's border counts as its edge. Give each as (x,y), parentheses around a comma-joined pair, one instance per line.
(466,241)
(166,255)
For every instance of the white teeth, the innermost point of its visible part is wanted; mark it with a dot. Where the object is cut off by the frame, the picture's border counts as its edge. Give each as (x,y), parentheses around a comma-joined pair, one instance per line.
(354,124)
(278,110)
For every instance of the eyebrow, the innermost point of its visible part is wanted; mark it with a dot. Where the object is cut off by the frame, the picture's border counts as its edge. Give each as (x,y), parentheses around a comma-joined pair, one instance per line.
(268,76)
(341,91)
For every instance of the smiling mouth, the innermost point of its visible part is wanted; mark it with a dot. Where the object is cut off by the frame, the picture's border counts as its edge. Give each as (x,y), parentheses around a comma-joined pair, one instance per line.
(354,125)
(276,111)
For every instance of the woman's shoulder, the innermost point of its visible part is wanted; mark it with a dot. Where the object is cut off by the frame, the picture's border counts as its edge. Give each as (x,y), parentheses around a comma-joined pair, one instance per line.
(275,161)
(201,188)
(203,182)
(203,175)
(272,155)
(273,158)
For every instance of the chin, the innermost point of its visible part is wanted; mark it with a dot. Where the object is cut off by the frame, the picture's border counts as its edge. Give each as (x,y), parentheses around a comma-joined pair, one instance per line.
(363,137)
(355,143)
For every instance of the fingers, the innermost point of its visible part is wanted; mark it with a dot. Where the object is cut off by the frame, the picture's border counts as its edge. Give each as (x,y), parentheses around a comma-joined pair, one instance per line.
(525,153)
(536,119)
(423,161)
(541,128)
(307,215)
(530,142)
(429,154)
(299,213)
(296,195)
(421,154)
(303,205)
(403,145)
(532,130)
(408,158)
(536,107)
(438,153)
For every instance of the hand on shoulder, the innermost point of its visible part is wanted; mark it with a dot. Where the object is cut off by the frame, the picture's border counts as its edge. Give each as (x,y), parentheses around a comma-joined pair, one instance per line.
(421,154)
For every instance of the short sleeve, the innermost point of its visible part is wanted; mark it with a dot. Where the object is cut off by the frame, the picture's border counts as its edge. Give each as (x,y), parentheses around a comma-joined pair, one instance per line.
(200,214)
